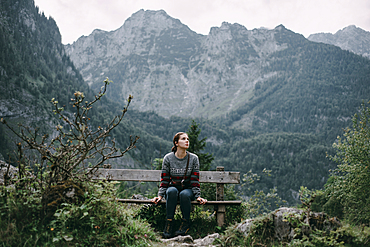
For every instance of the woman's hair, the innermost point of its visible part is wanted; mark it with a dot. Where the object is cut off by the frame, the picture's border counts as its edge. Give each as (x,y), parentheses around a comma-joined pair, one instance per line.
(175,140)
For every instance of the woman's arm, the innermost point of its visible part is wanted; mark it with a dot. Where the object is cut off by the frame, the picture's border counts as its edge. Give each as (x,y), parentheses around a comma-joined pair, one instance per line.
(194,177)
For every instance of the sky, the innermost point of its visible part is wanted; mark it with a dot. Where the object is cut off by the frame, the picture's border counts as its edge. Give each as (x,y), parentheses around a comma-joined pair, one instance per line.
(80,17)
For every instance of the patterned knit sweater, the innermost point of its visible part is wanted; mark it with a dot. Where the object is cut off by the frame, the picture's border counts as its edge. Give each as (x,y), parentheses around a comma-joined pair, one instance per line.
(173,170)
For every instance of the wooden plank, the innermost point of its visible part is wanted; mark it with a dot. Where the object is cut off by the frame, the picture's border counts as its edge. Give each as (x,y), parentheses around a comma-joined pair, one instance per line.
(128,175)
(138,201)
(223,177)
(155,176)
(220,215)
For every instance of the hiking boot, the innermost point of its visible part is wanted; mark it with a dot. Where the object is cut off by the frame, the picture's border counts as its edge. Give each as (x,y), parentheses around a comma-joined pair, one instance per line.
(184,228)
(167,232)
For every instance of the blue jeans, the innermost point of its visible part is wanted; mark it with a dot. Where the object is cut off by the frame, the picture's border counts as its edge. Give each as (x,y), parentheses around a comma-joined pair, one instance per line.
(185,196)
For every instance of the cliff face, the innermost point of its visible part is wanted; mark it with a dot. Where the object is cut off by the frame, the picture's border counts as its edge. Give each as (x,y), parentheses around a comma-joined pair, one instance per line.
(173,70)
(351,38)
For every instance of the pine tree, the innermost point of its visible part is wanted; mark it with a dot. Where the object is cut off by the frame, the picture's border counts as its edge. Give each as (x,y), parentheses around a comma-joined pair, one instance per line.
(196,146)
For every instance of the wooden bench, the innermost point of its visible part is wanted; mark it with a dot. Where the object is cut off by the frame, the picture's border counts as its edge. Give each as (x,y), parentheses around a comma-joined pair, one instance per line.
(220,177)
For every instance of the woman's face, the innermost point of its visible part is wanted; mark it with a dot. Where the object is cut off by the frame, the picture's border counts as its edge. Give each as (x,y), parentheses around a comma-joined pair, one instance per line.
(183,141)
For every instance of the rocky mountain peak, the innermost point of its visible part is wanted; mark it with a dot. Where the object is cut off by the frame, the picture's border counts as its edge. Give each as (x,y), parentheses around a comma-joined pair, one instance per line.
(149,21)
(350,38)
(350,28)
(219,35)
(227,28)
(280,27)
(138,35)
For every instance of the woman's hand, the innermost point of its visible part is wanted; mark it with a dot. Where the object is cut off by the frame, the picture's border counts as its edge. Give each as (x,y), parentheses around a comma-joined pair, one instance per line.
(156,199)
(201,200)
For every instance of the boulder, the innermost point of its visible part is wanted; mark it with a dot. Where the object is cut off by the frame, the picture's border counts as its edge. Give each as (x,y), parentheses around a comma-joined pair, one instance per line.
(245,226)
(283,227)
(188,241)
(290,223)
(207,241)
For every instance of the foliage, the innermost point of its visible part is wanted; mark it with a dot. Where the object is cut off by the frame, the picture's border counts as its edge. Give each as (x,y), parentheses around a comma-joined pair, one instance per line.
(97,219)
(350,182)
(260,202)
(344,236)
(196,146)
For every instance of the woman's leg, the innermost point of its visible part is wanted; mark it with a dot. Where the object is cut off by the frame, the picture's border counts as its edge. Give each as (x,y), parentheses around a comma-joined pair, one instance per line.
(171,201)
(186,196)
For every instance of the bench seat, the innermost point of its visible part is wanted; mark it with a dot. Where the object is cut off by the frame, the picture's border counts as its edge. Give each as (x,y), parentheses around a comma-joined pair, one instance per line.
(139,201)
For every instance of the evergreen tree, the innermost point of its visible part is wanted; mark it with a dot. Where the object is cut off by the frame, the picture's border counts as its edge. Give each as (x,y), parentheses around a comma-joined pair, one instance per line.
(196,146)
(350,182)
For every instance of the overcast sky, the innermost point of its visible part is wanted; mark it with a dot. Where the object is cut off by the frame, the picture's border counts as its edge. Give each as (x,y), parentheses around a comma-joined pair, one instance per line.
(80,17)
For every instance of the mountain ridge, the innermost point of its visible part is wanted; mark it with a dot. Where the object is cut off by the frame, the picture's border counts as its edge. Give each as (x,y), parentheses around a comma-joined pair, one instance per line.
(350,38)
(173,58)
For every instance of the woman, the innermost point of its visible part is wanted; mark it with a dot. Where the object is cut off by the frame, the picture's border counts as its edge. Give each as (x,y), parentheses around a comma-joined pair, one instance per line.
(179,181)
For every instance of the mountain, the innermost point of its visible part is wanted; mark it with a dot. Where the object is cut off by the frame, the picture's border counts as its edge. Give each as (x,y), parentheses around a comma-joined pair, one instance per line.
(171,69)
(265,80)
(34,68)
(350,38)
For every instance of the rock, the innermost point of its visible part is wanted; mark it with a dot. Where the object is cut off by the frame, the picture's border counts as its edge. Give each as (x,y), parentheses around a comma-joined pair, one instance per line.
(207,241)
(179,239)
(283,228)
(245,226)
(188,240)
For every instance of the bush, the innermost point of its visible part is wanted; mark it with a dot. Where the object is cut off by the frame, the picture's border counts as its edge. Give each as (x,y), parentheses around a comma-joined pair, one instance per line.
(100,219)
(96,219)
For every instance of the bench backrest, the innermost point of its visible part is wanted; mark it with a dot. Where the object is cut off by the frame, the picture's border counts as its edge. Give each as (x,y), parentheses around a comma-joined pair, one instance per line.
(222,177)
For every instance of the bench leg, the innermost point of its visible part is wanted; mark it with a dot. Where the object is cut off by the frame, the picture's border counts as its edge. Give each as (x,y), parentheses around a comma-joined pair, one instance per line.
(221,210)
